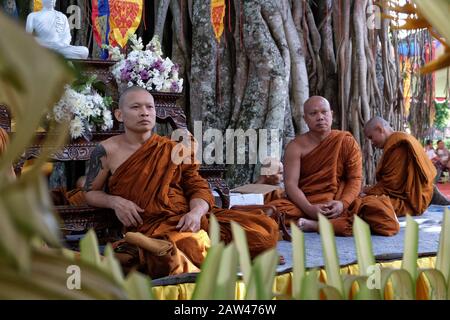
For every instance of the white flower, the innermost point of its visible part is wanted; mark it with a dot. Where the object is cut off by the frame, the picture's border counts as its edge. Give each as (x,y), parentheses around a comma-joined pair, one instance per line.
(115,53)
(76,128)
(136,43)
(97,99)
(84,110)
(108,120)
(146,68)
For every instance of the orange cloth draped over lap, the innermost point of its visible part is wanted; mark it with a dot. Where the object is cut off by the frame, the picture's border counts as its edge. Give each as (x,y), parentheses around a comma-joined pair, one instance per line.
(163,189)
(274,195)
(4,139)
(333,171)
(405,174)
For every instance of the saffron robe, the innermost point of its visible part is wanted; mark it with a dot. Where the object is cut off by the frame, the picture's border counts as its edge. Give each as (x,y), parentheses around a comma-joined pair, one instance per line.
(4,139)
(405,174)
(163,189)
(333,171)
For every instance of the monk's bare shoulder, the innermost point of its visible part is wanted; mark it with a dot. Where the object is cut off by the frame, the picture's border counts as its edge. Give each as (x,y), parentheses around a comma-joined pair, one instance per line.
(111,145)
(100,161)
(295,147)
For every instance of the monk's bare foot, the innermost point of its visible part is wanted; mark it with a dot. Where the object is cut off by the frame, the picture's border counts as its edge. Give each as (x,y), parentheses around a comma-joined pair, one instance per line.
(308,225)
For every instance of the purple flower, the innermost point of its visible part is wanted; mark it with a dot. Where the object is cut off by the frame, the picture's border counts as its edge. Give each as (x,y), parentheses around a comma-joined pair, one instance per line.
(174,87)
(129,65)
(175,68)
(145,75)
(158,65)
(125,75)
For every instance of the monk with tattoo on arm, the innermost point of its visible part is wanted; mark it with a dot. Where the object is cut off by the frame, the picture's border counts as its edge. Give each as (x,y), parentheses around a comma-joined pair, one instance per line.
(164,205)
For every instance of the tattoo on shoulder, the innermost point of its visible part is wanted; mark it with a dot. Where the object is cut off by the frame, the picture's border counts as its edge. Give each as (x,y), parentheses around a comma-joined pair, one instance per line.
(95,165)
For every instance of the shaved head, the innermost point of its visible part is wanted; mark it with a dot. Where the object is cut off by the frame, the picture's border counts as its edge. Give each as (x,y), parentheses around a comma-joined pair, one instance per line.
(124,95)
(375,122)
(378,131)
(136,110)
(316,101)
(318,115)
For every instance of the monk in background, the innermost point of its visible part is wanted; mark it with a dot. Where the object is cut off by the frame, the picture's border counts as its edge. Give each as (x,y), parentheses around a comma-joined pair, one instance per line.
(405,173)
(323,175)
(163,205)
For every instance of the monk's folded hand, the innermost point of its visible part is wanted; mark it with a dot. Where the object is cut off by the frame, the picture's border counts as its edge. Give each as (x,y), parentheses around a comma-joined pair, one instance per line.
(127,212)
(314,210)
(334,209)
(190,222)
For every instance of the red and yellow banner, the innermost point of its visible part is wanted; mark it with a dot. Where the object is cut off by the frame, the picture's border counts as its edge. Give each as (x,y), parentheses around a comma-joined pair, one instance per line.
(125,17)
(218,9)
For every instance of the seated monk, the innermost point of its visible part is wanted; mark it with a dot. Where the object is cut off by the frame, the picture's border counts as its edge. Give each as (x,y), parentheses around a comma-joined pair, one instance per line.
(405,173)
(323,174)
(163,205)
(4,140)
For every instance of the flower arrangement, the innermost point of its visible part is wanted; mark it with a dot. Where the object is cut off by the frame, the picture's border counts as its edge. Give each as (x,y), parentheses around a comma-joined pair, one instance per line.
(145,68)
(84,108)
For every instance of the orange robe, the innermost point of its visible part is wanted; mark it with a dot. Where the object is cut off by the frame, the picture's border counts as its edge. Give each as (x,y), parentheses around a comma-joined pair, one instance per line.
(333,171)
(155,183)
(405,174)
(3,140)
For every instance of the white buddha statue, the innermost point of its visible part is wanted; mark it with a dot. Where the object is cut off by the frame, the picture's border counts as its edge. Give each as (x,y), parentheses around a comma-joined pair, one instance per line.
(52,31)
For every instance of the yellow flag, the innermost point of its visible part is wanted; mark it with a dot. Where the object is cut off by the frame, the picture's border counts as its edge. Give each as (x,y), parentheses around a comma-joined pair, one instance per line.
(218,9)
(125,17)
(37,5)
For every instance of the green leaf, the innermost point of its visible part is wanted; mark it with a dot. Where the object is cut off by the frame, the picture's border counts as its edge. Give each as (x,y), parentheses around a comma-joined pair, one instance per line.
(240,240)
(13,245)
(443,255)
(205,285)
(89,249)
(331,293)
(310,286)
(263,275)
(138,287)
(227,275)
(112,265)
(50,276)
(363,243)
(214,230)
(402,283)
(436,280)
(332,266)
(363,293)
(29,205)
(411,244)
(299,264)
(68,254)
